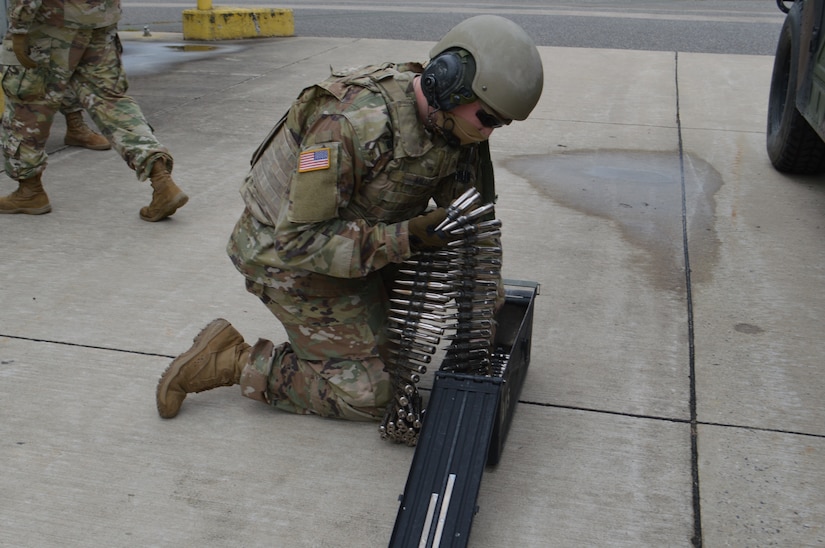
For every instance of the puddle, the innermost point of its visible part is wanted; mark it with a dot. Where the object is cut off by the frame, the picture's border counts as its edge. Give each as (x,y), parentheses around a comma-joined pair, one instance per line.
(641,194)
(192,47)
(145,58)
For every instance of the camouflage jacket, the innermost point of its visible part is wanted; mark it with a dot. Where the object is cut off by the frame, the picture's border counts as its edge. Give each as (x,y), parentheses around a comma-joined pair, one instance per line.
(336,181)
(79,14)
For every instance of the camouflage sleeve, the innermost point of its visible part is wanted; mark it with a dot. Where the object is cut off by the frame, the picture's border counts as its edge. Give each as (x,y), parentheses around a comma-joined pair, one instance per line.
(21,15)
(311,235)
(342,249)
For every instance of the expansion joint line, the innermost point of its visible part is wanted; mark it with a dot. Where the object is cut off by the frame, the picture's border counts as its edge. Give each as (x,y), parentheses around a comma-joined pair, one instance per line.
(694,446)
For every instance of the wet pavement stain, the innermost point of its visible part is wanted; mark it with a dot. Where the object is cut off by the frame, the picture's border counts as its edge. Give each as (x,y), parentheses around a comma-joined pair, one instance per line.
(145,58)
(191,47)
(641,193)
(748,328)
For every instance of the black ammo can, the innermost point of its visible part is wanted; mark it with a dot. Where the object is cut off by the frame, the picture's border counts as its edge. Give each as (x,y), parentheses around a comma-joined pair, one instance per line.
(465,426)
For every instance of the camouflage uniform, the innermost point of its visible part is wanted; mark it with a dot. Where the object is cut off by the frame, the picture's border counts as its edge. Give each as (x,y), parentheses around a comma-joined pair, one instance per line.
(327,204)
(70,102)
(76,46)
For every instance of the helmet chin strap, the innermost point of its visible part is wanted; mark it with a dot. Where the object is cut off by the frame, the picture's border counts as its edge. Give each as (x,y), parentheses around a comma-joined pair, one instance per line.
(438,123)
(454,129)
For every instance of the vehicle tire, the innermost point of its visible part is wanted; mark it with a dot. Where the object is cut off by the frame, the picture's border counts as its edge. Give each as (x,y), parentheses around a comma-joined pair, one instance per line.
(793,146)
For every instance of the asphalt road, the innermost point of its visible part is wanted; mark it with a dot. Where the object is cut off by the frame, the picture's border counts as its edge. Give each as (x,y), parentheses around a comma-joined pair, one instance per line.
(701,26)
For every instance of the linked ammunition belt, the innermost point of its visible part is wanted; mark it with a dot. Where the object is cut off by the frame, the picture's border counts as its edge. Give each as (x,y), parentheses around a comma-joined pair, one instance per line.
(446,296)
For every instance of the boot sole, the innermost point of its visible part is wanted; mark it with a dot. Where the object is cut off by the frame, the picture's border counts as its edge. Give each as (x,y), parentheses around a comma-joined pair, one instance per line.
(199,344)
(73,143)
(176,203)
(29,210)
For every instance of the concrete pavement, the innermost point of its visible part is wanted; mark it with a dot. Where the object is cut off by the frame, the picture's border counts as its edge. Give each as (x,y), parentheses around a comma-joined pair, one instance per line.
(629,156)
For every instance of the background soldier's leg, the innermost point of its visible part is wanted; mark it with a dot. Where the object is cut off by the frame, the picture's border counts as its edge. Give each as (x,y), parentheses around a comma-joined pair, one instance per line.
(26,128)
(78,133)
(101,85)
(32,98)
(331,365)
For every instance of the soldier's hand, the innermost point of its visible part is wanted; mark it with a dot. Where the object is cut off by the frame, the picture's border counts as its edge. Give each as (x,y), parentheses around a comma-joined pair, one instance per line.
(422,231)
(20,45)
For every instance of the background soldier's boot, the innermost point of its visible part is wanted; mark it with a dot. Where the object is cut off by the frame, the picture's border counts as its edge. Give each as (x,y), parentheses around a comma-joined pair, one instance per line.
(29,198)
(78,134)
(216,358)
(166,196)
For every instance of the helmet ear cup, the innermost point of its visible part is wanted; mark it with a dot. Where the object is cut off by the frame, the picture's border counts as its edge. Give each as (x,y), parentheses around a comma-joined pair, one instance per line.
(509,73)
(447,79)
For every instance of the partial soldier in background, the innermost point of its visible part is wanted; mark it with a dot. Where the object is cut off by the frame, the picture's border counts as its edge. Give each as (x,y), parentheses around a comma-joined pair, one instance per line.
(338,195)
(55,45)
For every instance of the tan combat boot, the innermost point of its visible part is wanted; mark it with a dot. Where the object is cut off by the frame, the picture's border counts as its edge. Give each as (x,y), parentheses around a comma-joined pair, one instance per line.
(78,134)
(29,198)
(216,358)
(166,196)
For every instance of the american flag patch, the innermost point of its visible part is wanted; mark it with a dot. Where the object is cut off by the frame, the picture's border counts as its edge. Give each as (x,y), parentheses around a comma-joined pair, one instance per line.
(313,160)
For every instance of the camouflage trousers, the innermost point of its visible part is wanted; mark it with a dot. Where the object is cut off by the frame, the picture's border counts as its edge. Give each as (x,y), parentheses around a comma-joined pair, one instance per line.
(70,103)
(332,363)
(85,63)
